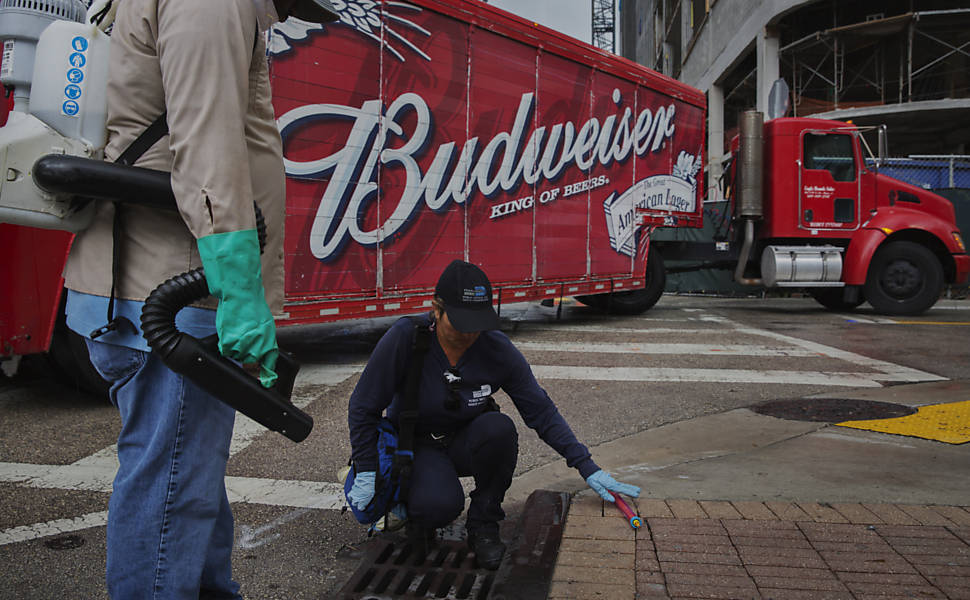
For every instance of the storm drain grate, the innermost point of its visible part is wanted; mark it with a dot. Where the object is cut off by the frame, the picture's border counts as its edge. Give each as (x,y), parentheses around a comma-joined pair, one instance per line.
(391,569)
(831,410)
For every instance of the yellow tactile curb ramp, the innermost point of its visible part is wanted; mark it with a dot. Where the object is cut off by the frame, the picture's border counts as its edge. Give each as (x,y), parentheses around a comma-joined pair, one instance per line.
(948,423)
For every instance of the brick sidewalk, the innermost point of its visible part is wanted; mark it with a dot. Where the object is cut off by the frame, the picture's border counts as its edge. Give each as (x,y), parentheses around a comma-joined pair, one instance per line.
(769,550)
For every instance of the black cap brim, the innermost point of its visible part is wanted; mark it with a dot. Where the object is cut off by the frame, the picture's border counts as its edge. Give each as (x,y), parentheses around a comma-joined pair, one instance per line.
(314,11)
(471,320)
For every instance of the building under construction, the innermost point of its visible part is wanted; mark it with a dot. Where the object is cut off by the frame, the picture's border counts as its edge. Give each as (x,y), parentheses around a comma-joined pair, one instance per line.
(902,63)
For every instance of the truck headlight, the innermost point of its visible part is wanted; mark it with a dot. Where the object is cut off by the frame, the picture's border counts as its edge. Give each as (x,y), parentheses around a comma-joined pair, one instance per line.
(959,241)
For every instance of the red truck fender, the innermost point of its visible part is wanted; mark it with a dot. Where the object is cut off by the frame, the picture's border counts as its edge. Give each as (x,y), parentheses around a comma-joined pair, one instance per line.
(902,223)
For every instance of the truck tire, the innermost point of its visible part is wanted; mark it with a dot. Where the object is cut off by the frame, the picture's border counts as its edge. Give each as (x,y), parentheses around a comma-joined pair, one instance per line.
(68,358)
(905,278)
(633,302)
(834,298)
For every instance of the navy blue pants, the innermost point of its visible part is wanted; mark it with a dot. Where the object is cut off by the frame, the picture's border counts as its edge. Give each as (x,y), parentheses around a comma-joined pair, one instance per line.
(486,449)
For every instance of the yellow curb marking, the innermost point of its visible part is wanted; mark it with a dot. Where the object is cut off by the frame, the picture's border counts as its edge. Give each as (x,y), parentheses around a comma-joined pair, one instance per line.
(949,423)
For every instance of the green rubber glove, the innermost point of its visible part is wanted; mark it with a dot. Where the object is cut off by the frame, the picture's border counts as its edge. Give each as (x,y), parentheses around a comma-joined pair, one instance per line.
(245,325)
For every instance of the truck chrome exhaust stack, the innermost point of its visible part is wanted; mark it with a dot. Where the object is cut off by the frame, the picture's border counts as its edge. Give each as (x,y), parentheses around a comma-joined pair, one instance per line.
(750,205)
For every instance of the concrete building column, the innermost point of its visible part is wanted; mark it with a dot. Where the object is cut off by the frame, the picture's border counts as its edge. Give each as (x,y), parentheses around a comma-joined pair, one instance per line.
(715,140)
(768,65)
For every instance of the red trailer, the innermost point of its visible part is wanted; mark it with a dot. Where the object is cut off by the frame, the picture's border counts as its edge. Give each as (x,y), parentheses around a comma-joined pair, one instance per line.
(419,132)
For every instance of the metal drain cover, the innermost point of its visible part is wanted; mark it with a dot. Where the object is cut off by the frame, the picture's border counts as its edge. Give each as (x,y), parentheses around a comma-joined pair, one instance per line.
(831,410)
(390,569)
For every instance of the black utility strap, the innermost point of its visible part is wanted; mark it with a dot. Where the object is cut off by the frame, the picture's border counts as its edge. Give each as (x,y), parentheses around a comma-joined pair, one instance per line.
(143,142)
(132,153)
(408,416)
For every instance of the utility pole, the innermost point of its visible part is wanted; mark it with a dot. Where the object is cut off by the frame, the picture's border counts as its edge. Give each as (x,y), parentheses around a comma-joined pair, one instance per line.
(604,24)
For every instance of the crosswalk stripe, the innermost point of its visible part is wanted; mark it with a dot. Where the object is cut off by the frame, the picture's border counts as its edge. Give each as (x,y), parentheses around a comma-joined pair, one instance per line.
(651,348)
(26,533)
(645,374)
(642,330)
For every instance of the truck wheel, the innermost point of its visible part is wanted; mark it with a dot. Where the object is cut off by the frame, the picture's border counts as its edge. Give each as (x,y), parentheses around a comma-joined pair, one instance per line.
(68,357)
(904,278)
(834,298)
(633,302)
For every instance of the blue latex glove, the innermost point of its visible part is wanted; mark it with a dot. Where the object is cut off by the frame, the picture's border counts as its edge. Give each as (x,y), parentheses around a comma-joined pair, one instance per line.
(245,325)
(362,492)
(603,483)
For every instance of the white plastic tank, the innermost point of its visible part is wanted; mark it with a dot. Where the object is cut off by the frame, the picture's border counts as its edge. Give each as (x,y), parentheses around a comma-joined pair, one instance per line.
(70,79)
(21,23)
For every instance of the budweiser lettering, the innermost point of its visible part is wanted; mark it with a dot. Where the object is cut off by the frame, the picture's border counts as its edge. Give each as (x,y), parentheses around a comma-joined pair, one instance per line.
(458,170)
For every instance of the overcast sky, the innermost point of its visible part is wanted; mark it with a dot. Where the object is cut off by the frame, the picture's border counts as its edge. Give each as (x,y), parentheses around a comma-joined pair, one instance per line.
(572,17)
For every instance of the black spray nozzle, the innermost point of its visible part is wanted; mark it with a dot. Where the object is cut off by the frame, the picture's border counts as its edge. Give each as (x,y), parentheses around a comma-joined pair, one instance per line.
(200,361)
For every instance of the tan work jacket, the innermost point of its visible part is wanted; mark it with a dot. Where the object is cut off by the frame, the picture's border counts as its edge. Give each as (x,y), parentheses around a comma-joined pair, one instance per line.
(205,64)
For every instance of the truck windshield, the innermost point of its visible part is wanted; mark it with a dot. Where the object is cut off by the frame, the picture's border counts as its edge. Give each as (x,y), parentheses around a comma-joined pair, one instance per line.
(830,152)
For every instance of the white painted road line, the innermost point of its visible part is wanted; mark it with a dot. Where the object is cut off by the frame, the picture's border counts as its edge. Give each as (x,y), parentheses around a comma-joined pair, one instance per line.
(284,492)
(643,330)
(644,374)
(26,533)
(888,371)
(253,490)
(651,348)
(302,495)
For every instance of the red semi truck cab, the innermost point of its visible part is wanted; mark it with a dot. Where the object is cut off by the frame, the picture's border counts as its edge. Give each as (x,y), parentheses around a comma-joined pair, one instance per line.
(828,221)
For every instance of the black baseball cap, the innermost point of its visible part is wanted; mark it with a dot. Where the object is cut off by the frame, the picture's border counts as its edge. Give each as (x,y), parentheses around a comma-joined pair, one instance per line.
(467,295)
(314,11)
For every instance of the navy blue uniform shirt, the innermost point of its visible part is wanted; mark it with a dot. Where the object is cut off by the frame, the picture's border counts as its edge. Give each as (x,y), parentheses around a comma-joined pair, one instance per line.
(490,364)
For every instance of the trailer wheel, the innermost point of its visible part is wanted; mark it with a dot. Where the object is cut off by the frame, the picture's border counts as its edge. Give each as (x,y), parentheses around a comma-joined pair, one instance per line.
(633,302)
(904,278)
(68,357)
(834,298)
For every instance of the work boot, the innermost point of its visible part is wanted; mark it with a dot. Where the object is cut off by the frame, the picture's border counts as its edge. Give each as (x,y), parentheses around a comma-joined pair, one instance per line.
(487,546)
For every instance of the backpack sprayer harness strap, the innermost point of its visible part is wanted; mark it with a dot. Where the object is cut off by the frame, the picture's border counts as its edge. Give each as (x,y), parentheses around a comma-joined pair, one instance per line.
(408,417)
(154,132)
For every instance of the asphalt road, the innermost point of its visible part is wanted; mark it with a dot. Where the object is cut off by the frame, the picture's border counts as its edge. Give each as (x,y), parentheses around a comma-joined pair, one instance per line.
(612,377)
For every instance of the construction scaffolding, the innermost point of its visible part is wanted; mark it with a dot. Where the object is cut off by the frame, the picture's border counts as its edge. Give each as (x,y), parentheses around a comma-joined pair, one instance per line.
(911,57)
(604,24)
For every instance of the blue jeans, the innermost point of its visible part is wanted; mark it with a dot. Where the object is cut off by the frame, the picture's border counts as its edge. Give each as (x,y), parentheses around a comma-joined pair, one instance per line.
(170,528)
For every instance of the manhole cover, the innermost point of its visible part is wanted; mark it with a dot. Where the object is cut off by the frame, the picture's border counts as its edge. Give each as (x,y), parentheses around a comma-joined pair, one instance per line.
(831,410)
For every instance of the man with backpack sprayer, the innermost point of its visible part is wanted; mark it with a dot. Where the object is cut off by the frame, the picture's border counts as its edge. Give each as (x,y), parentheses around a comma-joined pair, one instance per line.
(459,430)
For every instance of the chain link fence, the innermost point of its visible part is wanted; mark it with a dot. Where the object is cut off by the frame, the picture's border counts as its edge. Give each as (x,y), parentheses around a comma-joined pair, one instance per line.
(930,172)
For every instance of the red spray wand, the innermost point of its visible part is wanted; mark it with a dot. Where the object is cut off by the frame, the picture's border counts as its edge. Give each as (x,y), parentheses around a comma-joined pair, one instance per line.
(627,511)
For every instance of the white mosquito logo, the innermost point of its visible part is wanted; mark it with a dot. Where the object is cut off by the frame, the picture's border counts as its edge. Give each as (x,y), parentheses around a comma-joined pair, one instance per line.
(364,16)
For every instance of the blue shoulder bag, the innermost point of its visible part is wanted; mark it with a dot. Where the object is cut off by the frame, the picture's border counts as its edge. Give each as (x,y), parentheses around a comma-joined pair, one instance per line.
(395,449)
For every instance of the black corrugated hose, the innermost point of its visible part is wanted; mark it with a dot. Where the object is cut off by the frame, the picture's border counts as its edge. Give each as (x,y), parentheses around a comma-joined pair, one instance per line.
(199,360)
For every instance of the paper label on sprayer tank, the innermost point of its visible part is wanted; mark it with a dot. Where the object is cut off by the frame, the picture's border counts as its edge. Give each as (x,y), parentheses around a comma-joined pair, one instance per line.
(6,68)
